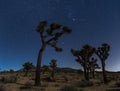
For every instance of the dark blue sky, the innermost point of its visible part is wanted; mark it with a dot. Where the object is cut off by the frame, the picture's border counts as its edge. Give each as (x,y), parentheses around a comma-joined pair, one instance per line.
(93,22)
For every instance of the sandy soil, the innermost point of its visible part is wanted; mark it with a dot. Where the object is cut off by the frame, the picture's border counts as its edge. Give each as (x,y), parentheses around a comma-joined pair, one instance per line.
(62,79)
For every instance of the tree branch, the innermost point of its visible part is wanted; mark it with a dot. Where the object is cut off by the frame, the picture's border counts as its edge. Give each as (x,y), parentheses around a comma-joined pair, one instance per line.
(50,40)
(80,60)
(42,38)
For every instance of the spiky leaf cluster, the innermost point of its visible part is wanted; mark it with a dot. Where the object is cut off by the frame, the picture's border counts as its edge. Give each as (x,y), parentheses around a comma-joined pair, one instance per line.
(78,56)
(54,26)
(41,26)
(66,29)
(53,63)
(102,51)
(93,64)
(87,51)
(84,54)
(28,65)
(75,52)
(51,33)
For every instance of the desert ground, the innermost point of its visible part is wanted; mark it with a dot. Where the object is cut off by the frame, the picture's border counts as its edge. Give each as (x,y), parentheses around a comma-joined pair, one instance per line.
(64,81)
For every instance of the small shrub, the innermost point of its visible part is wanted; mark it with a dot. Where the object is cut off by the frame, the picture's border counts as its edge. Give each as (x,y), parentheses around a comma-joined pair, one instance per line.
(84,84)
(116,89)
(47,79)
(27,85)
(117,84)
(9,79)
(56,85)
(65,78)
(97,83)
(69,88)
(44,85)
(11,71)
(109,80)
(2,88)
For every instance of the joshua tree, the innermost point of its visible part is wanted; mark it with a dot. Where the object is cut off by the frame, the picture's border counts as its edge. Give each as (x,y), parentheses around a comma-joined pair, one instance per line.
(27,66)
(11,71)
(103,54)
(83,56)
(53,65)
(49,36)
(45,68)
(93,65)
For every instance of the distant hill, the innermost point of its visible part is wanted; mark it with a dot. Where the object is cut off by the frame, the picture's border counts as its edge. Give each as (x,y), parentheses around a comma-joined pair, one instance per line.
(64,69)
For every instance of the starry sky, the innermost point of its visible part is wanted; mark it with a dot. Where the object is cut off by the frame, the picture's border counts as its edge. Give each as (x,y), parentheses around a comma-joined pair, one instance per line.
(93,22)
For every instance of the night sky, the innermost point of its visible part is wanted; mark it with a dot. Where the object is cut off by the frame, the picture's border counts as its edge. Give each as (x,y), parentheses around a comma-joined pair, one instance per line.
(93,22)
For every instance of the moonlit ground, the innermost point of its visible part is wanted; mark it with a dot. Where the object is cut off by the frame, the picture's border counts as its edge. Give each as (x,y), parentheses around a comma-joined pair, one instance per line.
(93,22)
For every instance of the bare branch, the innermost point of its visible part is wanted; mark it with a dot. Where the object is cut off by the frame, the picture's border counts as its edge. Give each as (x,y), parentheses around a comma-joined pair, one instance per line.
(50,40)
(42,38)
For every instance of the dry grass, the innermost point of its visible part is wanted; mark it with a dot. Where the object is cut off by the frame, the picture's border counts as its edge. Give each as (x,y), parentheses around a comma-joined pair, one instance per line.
(62,80)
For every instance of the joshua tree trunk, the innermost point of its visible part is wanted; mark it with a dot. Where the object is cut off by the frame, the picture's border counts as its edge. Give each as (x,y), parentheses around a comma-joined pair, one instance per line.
(85,72)
(104,73)
(53,75)
(38,68)
(85,75)
(88,74)
(93,73)
(26,73)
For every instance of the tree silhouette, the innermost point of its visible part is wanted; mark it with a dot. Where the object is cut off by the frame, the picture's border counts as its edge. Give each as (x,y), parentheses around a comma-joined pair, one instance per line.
(45,68)
(103,54)
(83,57)
(53,65)
(49,36)
(93,65)
(11,70)
(27,66)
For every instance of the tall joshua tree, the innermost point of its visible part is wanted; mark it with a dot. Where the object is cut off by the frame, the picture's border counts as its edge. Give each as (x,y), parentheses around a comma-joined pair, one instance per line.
(103,54)
(49,36)
(53,65)
(83,57)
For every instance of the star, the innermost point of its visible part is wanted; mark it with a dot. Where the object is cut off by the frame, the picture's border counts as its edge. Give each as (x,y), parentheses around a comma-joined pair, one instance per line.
(71,16)
(63,43)
(73,19)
